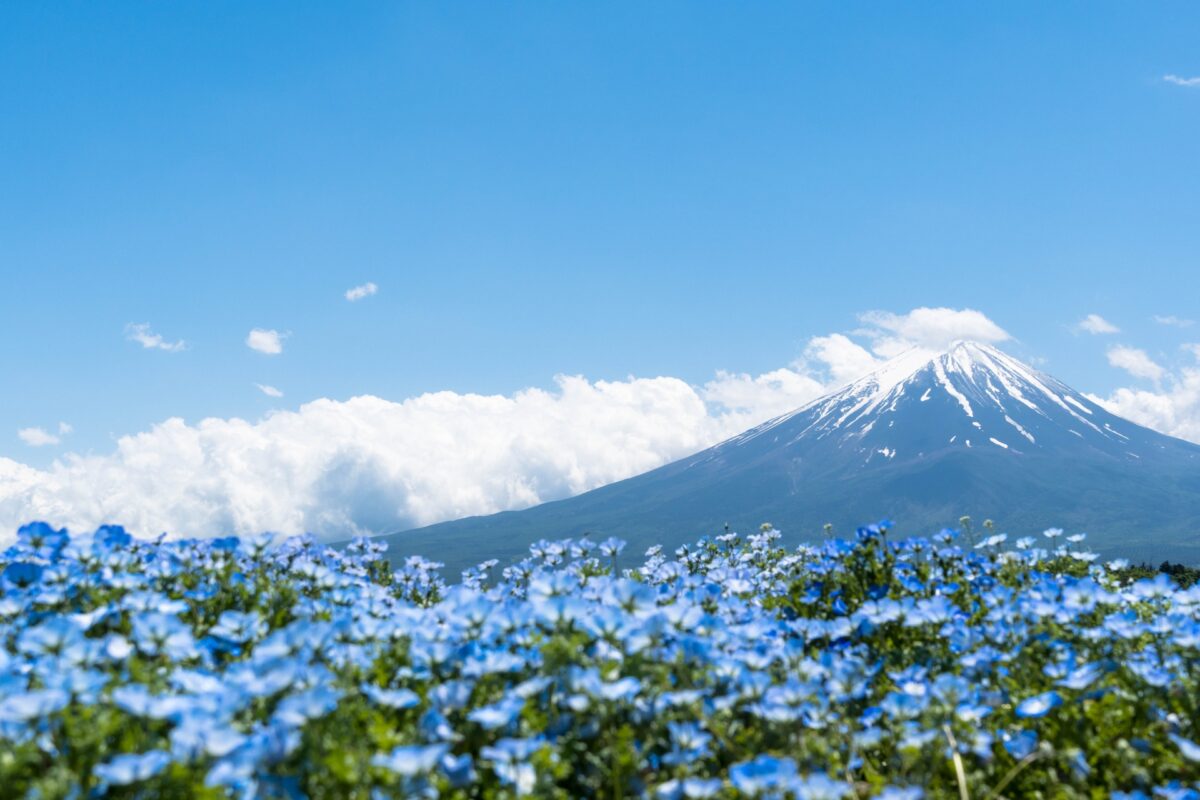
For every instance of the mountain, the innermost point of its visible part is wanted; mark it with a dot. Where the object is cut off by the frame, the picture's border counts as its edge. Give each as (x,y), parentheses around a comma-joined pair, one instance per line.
(924,440)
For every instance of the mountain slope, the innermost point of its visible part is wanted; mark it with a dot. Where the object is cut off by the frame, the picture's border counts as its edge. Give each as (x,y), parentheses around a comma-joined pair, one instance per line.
(923,440)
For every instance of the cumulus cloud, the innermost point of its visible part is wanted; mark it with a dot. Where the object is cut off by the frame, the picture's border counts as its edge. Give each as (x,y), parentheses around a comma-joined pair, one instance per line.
(1096,325)
(1136,362)
(359,292)
(142,334)
(1173,408)
(266,341)
(369,464)
(1173,321)
(930,328)
(1180,81)
(269,391)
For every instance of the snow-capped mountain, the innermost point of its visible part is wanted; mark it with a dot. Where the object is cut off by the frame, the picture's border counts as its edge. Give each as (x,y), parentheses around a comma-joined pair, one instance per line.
(971,395)
(925,439)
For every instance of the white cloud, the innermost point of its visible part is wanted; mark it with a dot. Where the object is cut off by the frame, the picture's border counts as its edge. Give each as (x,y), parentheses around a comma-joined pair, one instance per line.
(1136,362)
(370,464)
(1096,324)
(266,341)
(932,328)
(269,391)
(1173,321)
(40,437)
(140,332)
(359,292)
(37,437)
(1180,81)
(1174,410)
(845,359)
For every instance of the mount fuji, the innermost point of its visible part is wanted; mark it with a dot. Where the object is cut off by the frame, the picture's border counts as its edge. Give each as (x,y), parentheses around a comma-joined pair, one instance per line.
(925,439)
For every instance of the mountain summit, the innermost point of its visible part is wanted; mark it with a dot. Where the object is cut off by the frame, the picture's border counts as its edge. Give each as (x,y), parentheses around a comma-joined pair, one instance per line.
(925,439)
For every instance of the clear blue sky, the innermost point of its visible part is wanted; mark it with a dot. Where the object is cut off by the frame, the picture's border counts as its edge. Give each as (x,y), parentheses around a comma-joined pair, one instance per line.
(542,188)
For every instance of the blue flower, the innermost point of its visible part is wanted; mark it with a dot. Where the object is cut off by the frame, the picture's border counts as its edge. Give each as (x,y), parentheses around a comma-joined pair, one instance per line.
(22,574)
(1189,749)
(411,760)
(1038,706)
(133,767)
(35,704)
(764,773)
(392,698)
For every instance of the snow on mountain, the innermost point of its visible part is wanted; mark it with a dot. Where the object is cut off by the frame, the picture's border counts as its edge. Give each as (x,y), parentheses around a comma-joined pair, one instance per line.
(970,395)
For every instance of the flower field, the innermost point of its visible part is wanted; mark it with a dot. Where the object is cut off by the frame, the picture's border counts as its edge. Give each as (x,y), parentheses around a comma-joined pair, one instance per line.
(733,668)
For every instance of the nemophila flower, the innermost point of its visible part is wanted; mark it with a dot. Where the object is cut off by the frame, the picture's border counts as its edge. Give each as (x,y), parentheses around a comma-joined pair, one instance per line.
(992,541)
(611,547)
(1187,748)
(900,793)
(297,709)
(1176,791)
(458,769)
(392,698)
(1020,744)
(133,767)
(688,743)
(409,760)
(498,715)
(238,627)
(21,574)
(763,774)
(35,704)
(676,789)
(1081,677)
(40,540)
(60,637)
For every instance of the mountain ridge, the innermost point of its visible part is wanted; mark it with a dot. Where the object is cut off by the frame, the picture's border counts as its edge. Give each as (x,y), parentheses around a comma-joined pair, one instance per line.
(924,439)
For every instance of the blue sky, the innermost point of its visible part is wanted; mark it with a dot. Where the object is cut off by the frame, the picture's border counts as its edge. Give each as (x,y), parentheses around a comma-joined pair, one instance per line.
(629,189)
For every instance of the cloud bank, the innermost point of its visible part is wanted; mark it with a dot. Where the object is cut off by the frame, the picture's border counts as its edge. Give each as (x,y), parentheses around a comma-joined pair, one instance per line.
(369,464)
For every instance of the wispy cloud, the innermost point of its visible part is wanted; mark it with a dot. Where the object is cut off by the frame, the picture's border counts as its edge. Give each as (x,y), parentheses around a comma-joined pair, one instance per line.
(269,391)
(140,332)
(359,292)
(1136,362)
(266,341)
(40,437)
(1174,321)
(1096,325)
(1180,81)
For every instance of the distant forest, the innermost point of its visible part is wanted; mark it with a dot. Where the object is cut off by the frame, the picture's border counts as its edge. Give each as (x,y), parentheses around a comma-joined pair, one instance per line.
(1185,576)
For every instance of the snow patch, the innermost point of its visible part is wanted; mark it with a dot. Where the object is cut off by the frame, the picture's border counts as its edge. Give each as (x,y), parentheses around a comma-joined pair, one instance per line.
(1019,428)
(997,442)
